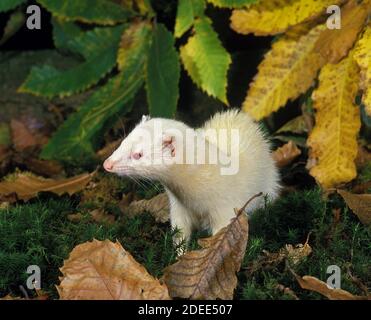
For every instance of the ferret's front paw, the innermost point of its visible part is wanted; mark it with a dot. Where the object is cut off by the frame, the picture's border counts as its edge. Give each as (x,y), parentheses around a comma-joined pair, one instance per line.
(180,250)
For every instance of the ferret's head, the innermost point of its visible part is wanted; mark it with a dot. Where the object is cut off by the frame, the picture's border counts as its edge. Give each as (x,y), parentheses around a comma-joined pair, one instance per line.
(148,150)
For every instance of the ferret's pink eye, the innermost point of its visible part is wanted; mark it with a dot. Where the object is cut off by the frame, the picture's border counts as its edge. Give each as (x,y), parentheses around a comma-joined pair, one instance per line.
(137,155)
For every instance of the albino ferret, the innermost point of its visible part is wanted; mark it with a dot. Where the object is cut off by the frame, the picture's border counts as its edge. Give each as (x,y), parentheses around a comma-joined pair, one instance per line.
(206,172)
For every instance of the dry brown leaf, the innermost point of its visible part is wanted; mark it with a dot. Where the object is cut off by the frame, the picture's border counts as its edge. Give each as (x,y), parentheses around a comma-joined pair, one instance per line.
(210,273)
(362,187)
(334,44)
(314,284)
(360,205)
(46,168)
(75,217)
(101,216)
(21,136)
(295,254)
(286,154)
(5,158)
(158,207)
(103,270)
(363,157)
(26,186)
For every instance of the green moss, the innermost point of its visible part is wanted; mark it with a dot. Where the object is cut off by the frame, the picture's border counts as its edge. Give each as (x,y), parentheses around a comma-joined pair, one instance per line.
(344,243)
(40,234)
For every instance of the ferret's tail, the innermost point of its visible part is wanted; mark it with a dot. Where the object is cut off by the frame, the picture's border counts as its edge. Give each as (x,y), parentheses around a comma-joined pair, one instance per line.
(233,119)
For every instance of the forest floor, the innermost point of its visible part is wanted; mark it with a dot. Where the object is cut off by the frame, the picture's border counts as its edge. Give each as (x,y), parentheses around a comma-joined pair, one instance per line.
(44,230)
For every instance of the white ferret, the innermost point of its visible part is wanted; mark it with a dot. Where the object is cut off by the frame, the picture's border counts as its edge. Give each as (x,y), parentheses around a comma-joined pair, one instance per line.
(206,172)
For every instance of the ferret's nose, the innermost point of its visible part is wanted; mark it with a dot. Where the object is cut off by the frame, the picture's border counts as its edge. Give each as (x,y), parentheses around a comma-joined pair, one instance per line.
(108,165)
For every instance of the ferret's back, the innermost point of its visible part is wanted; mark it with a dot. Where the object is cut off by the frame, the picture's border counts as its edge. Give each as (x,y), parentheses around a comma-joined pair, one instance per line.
(249,131)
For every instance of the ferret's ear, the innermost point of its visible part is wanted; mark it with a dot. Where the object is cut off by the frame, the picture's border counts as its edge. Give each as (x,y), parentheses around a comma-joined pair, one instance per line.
(145,118)
(168,141)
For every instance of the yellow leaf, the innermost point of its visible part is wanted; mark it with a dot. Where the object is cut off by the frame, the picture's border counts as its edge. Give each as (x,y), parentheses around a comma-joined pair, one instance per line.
(362,54)
(269,17)
(333,140)
(134,40)
(287,71)
(334,44)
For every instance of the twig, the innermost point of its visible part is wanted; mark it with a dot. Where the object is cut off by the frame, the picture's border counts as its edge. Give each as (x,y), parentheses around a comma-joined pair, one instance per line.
(248,201)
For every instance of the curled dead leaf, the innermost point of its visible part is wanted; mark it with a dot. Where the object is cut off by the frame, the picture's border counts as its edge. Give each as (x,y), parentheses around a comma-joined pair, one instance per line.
(210,273)
(25,186)
(294,254)
(360,205)
(103,270)
(286,154)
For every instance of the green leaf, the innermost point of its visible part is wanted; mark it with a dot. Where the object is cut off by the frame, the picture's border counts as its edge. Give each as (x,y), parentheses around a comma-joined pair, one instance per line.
(206,60)
(232,3)
(135,40)
(88,11)
(187,11)
(101,50)
(163,73)
(63,32)
(75,140)
(14,23)
(6,5)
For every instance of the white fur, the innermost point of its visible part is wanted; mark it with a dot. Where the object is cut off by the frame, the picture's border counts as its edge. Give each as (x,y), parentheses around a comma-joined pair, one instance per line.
(199,195)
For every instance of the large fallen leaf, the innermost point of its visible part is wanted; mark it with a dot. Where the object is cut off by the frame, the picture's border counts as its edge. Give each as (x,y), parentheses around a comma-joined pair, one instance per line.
(287,71)
(286,154)
(314,284)
(210,273)
(333,140)
(362,54)
(103,270)
(360,205)
(25,186)
(269,17)
(334,44)
(158,207)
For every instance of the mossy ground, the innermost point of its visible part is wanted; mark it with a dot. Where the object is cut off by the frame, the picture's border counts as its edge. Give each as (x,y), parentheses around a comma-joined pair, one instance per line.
(39,233)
